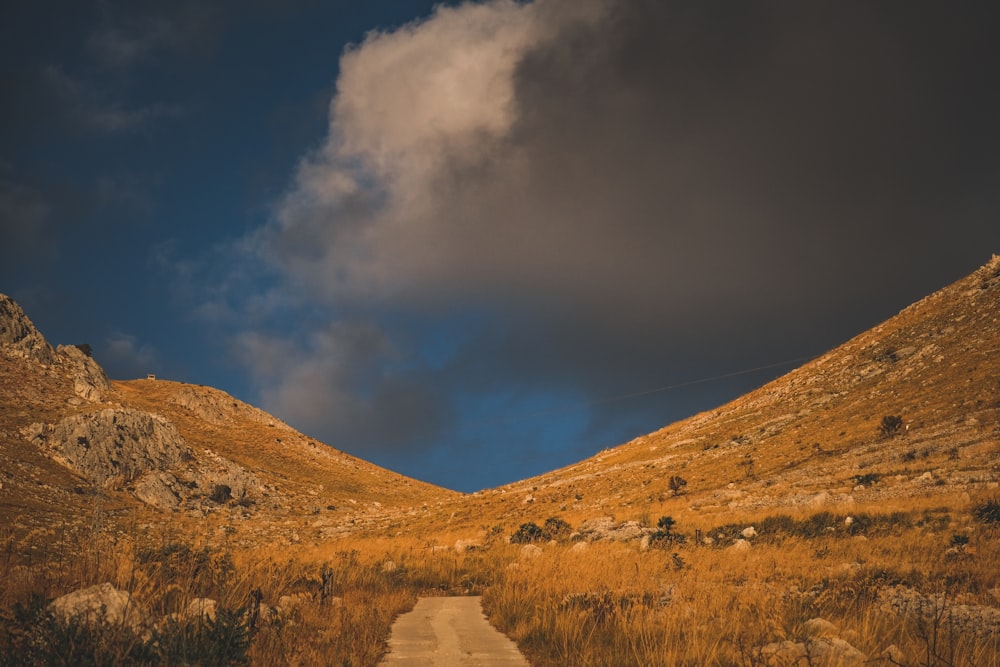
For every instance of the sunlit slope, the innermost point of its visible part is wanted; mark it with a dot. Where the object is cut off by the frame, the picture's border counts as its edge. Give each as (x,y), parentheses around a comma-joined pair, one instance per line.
(812,439)
(78,452)
(314,474)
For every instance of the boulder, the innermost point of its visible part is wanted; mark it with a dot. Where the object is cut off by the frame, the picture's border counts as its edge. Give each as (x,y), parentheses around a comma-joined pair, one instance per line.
(200,608)
(739,545)
(97,605)
(530,551)
(820,627)
(822,652)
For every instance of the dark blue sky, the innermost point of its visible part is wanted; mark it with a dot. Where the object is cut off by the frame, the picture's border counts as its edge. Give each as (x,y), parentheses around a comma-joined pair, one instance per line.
(464,242)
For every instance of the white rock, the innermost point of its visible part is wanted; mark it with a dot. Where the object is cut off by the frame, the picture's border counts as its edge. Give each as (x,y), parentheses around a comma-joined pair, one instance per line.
(530,551)
(98,604)
(819,627)
(739,545)
(201,608)
(749,532)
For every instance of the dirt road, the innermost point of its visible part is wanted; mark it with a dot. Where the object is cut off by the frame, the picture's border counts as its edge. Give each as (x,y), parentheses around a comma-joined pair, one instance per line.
(449,631)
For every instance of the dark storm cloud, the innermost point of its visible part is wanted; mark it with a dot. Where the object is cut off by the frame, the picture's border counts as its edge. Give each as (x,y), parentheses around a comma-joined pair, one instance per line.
(642,193)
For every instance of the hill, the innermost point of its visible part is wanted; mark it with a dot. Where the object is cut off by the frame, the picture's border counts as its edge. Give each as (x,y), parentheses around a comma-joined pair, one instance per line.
(153,451)
(907,412)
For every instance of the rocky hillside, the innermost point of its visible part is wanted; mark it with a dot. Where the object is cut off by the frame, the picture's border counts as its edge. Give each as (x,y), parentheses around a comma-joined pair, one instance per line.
(907,413)
(75,448)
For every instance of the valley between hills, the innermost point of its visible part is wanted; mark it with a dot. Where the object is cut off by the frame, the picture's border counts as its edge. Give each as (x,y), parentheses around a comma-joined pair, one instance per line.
(846,513)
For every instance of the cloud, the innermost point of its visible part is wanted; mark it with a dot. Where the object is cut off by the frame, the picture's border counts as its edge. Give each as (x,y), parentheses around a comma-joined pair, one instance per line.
(131,34)
(334,381)
(89,105)
(24,220)
(123,356)
(628,194)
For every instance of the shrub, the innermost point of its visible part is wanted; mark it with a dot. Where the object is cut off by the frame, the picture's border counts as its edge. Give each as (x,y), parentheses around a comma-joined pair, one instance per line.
(867,479)
(555,528)
(527,533)
(221,493)
(665,535)
(890,426)
(988,511)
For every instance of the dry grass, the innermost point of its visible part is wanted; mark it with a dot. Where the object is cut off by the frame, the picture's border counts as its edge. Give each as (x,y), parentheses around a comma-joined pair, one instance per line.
(613,604)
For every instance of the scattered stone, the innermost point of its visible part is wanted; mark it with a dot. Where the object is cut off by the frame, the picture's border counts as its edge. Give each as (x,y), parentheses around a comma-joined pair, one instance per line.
(200,608)
(819,627)
(530,551)
(894,655)
(97,605)
(461,546)
(976,620)
(826,652)
(739,545)
(820,499)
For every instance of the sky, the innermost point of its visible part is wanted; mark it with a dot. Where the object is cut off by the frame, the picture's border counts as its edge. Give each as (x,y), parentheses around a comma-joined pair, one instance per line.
(474,242)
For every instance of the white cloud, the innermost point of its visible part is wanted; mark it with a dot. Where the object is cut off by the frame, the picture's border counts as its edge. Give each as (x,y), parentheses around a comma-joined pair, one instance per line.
(366,214)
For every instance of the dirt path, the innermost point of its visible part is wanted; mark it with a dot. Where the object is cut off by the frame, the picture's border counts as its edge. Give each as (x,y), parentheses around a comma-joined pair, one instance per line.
(449,631)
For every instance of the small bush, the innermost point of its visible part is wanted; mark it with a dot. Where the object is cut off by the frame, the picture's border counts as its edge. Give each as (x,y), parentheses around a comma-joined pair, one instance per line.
(665,534)
(867,479)
(890,426)
(527,533)
(988,511)
(555,528)
(221,494)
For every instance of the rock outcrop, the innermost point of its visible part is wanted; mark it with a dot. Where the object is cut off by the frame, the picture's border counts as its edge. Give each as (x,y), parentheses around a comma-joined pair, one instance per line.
(113,445)
(605,528)
(217,407)
(89,380)
(19,337)
(143,453)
